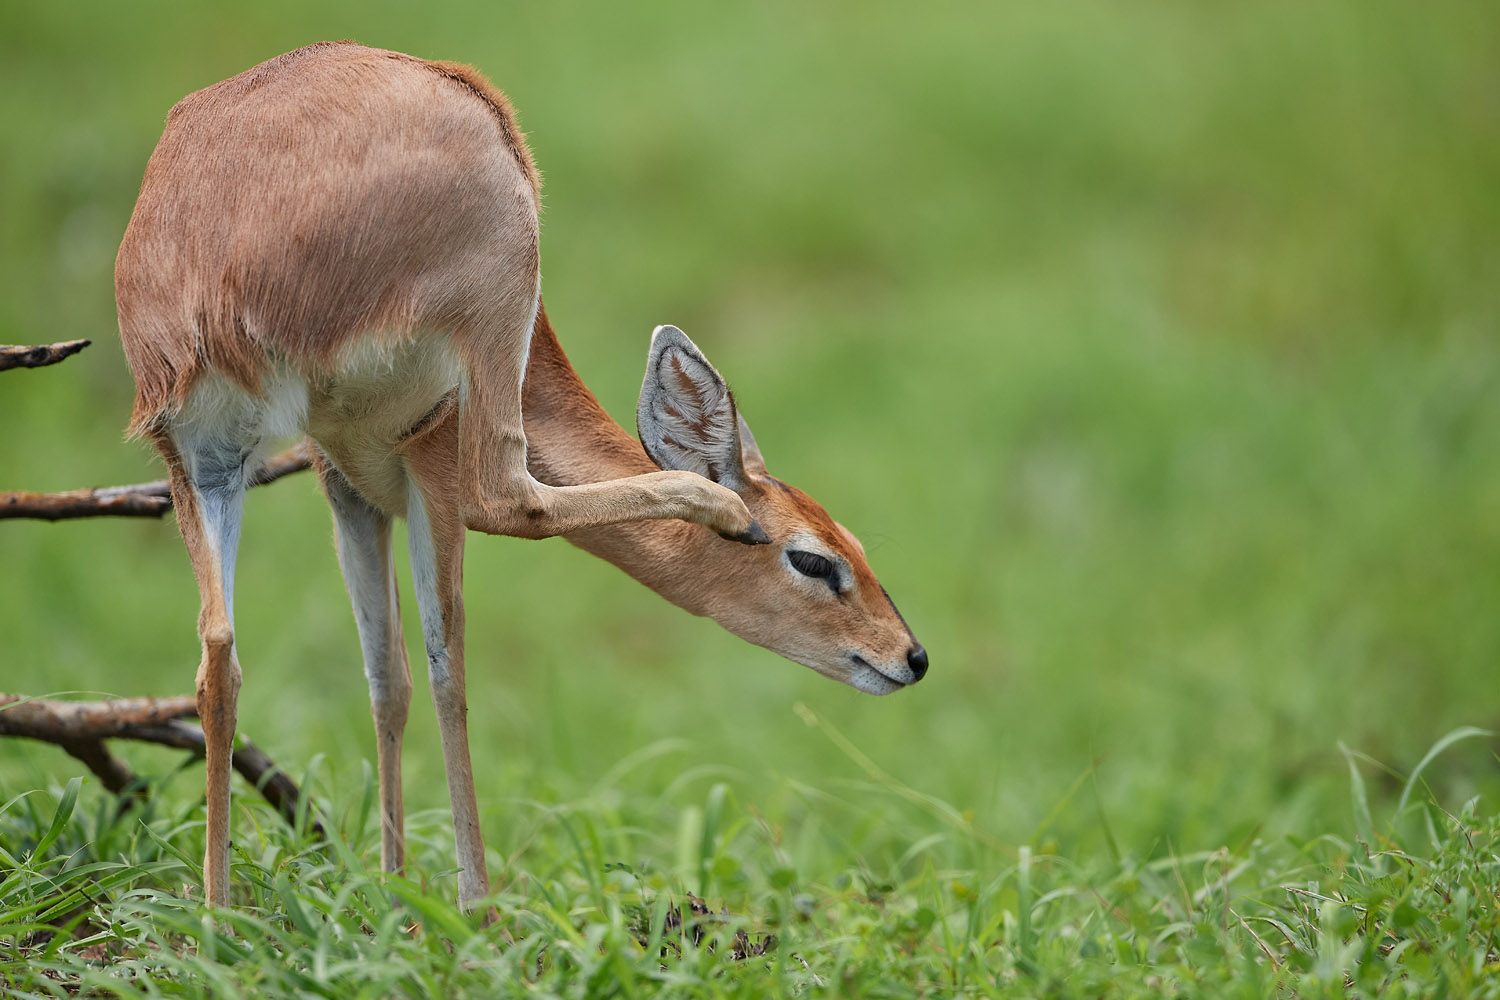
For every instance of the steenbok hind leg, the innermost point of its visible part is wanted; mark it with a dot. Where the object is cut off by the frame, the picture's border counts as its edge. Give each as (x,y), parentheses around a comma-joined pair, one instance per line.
(364,547)
(208,489)
(500,497)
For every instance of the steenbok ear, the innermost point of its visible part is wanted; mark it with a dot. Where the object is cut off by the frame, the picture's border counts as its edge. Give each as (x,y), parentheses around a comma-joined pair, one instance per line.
(686,416)
(750,451)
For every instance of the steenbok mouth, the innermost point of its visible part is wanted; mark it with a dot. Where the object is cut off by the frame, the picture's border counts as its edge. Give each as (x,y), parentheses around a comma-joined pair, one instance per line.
(871,680)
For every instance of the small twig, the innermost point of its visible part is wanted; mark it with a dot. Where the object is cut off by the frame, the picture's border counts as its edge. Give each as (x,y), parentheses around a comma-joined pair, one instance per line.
(81,727)
(20,356)
(151,499)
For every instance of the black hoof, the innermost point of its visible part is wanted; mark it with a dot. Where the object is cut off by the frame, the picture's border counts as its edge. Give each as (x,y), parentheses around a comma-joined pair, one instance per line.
(753,535)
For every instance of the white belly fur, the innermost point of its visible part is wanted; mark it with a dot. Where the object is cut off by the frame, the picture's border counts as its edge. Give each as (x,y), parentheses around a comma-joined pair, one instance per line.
(362,411)
(358,412)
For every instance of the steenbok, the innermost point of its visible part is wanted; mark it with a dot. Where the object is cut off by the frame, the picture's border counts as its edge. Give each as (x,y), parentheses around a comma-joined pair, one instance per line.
(342,242)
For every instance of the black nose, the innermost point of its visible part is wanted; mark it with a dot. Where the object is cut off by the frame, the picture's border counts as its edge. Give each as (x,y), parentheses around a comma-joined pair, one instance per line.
(916,658)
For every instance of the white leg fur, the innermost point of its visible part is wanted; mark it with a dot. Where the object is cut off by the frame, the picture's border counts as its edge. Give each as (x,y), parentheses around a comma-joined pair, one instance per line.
(364,548)
(209,465)
(437,567)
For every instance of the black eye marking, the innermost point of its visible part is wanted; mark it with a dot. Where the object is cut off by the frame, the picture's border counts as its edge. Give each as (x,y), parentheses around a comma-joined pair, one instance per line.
(813,565)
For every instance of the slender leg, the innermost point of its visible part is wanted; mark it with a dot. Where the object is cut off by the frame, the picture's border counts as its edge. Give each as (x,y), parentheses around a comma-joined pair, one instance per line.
(435,532)
(500,497)
(364,547)
(208,489)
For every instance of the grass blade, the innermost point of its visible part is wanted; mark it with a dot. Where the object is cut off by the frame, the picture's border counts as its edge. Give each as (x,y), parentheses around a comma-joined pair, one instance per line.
(1362,823)
(60,817)
(1461,733)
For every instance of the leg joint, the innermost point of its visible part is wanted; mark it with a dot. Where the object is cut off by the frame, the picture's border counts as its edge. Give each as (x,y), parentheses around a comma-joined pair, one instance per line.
(218,637)
(390,698)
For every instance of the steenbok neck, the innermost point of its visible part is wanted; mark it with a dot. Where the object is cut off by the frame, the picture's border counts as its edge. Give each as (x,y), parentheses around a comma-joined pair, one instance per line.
(572,439)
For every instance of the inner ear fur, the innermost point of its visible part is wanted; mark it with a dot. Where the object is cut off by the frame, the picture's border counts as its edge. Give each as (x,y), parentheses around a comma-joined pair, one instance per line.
(686,415)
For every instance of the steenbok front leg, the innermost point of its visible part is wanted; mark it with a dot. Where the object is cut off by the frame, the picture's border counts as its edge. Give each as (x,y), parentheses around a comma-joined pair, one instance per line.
(435,534)
(364,547)
(500,497)
(208,491)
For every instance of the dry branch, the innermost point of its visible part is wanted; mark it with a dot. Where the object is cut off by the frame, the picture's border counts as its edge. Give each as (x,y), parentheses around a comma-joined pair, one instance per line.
(18,356)
(151,499)
(81,727)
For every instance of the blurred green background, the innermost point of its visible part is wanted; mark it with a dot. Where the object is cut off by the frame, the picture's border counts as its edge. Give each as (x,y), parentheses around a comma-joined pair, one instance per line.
(1151,349)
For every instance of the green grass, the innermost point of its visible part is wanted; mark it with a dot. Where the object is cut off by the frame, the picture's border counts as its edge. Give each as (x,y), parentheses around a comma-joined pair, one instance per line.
(1151,351)
(914,900)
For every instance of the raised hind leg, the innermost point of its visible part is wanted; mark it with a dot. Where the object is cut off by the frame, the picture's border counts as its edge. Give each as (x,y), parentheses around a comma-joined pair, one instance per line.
(498,493)
(363,535)
(209,475)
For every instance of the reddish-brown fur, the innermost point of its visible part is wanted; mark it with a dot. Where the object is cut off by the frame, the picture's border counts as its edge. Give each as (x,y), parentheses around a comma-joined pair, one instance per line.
(572,439)
(278,237)
(340,197)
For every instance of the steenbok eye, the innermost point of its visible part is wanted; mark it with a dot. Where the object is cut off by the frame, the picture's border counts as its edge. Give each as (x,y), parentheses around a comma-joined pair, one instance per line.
(811,564)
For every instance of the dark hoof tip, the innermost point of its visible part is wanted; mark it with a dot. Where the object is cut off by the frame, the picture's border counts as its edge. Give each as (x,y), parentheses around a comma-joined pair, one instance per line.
(753,535)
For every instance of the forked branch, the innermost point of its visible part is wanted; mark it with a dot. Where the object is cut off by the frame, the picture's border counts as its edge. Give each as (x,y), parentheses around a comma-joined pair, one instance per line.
(81,727)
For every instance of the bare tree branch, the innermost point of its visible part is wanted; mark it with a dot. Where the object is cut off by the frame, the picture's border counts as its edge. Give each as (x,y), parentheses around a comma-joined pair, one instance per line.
(284,463)
(151,499)
(81,727)
(18,356)
(82,503)
(111,770)
(52,720)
